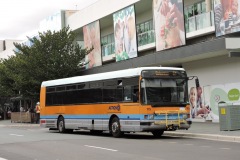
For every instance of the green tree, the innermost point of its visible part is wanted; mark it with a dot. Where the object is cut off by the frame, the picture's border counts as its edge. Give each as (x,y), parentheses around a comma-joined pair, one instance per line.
(52,55)
(5,91)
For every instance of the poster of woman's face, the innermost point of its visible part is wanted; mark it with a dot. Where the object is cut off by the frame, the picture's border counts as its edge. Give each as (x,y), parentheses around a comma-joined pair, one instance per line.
(169,24)
(91,33)
(125,34)
(227,16)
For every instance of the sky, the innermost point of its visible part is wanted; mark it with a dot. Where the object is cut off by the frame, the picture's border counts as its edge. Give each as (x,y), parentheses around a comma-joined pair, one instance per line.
(21,18)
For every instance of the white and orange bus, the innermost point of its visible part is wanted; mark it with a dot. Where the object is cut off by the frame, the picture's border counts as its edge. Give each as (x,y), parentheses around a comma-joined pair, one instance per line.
(145,99)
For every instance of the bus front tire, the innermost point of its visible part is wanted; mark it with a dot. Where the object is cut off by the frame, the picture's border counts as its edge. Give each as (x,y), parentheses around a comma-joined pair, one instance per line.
(115,128)
(61,125)
(157,133)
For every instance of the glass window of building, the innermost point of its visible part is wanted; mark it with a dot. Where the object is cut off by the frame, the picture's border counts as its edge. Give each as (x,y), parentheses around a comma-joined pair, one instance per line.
(195,9)
(196,16)
(108,45)
(145,33)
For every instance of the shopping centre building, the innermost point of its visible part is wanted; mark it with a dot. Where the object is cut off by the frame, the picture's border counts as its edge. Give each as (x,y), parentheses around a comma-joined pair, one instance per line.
(196,35)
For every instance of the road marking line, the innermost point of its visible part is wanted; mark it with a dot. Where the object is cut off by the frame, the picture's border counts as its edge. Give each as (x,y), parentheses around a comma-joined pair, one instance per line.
(205,146)
(2,158)
(225,148)
(101,148)
(188,144)
(19,135)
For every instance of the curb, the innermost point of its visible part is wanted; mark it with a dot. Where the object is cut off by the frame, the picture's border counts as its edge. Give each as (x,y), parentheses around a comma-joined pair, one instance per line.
(25,125)
(19,125)
(204,136)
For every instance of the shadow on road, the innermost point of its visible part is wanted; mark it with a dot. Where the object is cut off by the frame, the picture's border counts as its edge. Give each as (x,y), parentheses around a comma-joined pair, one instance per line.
(138,135)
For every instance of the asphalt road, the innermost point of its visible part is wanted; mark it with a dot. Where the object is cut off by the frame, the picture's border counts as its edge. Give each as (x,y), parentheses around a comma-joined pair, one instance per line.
(34,143)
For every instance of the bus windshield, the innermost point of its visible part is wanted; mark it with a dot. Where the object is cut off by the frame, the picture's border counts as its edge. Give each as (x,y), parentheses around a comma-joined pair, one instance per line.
(164,91)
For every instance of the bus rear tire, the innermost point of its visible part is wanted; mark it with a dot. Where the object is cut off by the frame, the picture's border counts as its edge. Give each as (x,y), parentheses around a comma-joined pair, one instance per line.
(115,128)
(61,125)
(157,133)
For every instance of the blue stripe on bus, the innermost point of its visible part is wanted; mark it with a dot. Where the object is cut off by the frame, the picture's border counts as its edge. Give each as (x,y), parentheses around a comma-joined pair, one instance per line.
(107,116)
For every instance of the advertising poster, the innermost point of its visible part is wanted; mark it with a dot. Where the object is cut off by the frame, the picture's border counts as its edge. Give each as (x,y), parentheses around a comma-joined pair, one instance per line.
(214,94)
(125,34)
(205,101)
(169,24)
(199,108)
(91,33)
(227,16)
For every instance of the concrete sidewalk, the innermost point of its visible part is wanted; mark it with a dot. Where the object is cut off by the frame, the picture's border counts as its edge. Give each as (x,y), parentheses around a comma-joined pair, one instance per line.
(17,124)
(206,130)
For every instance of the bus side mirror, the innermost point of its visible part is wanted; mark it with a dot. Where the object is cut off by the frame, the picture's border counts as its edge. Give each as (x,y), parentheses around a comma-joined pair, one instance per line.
(197,82)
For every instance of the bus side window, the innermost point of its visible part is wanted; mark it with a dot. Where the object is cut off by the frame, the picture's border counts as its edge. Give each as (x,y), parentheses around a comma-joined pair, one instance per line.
(127,93)
(110,94)
(142,96)
(119,94)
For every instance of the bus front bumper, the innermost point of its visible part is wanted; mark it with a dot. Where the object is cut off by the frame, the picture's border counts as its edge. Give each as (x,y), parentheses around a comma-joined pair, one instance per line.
(168,125)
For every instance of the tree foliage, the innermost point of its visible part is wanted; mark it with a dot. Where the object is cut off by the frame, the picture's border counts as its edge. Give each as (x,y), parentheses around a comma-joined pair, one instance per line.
(52,55)
(5,91)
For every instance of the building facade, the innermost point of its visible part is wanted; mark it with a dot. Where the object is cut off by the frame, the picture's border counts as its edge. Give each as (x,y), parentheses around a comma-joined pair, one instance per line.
(203,51)
(6,48)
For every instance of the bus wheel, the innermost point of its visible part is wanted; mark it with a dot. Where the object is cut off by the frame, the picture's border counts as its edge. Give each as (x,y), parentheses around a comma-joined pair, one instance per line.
(115,128)
(61,125)
(157,133)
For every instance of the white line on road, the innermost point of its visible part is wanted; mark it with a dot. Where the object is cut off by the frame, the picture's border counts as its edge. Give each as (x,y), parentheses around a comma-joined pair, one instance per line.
(205,146)
(19,135)
(2,158)
(172,142)
(225,148)
(188,144)
(101,148)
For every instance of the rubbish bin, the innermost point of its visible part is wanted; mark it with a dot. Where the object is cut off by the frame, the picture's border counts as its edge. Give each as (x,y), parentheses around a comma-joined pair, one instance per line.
(229,116)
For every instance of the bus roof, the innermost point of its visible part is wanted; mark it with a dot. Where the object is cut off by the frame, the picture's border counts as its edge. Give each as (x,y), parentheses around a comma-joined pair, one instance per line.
(132,72)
